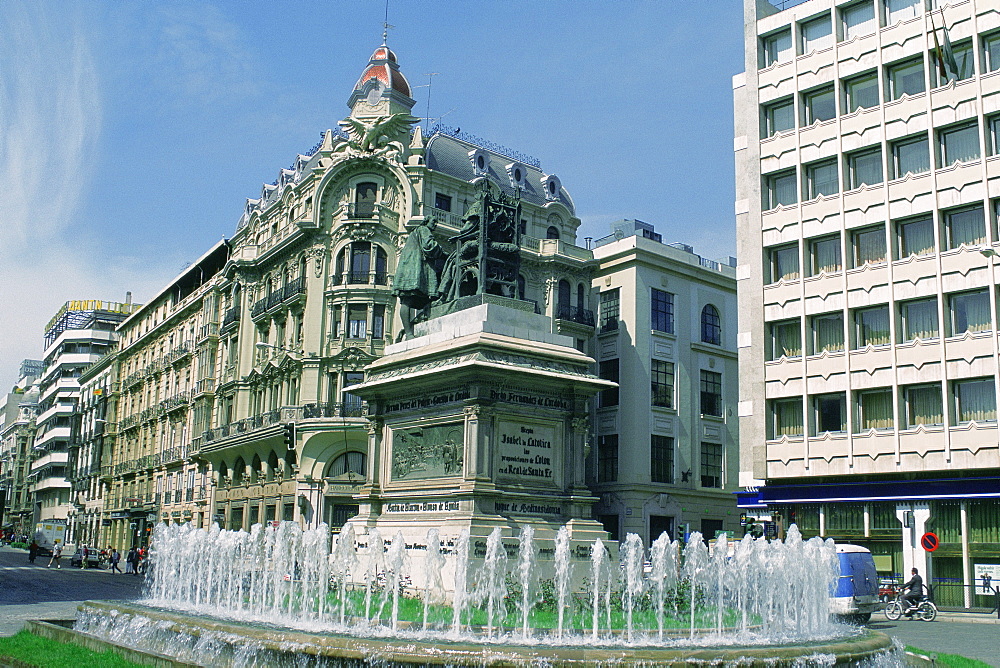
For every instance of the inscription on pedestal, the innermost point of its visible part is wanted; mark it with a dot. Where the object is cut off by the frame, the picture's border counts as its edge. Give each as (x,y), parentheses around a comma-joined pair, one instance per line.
(527,453)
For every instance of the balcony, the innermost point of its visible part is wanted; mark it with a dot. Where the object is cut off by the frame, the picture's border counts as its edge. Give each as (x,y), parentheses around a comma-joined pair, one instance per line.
(230,317)
(350,409)
(208,330)
(575,314)
(277,297)
(360,278)
(204,386)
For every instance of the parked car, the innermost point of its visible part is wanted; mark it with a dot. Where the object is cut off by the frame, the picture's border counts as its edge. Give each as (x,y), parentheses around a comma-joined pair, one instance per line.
(857,592)
(886,589)
(94,558)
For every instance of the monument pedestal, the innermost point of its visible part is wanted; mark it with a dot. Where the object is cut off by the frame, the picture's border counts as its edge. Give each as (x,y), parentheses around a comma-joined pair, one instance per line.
(480,421)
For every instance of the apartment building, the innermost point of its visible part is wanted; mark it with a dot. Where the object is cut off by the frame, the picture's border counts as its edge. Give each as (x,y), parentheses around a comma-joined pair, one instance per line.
(143,409)
(666,439)
(79,334)
(868,187)
(17,427)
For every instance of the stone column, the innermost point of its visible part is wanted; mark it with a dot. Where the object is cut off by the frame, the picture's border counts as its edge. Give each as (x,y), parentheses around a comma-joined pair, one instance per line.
(578,451)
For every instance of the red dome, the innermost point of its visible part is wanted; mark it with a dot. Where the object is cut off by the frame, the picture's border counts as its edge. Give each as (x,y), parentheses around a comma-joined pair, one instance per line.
(382,66)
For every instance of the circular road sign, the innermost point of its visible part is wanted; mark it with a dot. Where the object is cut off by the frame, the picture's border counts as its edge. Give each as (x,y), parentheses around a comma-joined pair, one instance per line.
(929,542)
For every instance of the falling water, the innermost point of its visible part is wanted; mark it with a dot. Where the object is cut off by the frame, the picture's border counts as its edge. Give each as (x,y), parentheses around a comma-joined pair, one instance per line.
(492,588)
(562,575)
(526,571)
(395,560)
(433,564)
(598,561)
(631,563)
(460,597)
(769,591)
(374,568)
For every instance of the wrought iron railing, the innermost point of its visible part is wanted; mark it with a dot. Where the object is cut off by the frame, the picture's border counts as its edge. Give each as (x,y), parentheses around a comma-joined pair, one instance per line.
(575,314)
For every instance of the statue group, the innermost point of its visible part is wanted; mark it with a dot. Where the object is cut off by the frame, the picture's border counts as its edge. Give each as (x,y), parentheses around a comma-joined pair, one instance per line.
(485,258)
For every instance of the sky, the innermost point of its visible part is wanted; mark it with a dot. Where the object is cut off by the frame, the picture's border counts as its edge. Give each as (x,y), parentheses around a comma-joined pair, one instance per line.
(131,133)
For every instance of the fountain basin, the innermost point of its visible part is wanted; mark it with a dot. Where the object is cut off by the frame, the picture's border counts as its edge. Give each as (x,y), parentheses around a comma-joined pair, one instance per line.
(202,640)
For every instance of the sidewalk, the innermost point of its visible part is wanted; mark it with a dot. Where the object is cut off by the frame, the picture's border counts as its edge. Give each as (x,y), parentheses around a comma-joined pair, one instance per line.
(13,617)
(967,617)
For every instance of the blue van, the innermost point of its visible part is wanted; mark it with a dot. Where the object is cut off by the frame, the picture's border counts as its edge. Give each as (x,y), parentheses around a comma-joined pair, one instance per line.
(856,594)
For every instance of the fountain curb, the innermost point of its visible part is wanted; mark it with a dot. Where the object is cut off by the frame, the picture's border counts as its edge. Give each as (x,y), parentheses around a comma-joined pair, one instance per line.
(439,653)
(55,630)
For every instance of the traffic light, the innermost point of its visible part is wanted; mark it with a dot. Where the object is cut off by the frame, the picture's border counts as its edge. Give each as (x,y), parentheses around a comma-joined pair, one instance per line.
(290,436)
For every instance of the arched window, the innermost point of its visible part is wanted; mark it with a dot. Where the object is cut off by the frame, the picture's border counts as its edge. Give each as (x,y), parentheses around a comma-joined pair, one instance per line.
(256,470)
(303,266)
(521,284)
(223,473)
(364,200)
(356,260)
(711,325)
(351,465)
(239,471)
(552,232)
(580,291)
(273,470)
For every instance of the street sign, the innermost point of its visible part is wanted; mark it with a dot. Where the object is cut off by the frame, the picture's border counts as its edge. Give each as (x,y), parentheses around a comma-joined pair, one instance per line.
(986,578)
(929,542)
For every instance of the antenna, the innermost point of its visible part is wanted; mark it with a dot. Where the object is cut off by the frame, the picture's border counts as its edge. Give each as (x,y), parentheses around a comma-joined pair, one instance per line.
(386,25)
(427,115)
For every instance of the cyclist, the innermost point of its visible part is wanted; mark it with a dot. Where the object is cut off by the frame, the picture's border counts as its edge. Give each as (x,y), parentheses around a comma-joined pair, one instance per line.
(915,592)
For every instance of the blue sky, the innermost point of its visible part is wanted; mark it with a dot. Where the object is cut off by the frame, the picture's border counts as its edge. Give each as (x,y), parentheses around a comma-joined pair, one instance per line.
(131,133)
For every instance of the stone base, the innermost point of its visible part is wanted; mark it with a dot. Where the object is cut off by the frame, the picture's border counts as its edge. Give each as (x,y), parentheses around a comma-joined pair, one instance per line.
(190,639)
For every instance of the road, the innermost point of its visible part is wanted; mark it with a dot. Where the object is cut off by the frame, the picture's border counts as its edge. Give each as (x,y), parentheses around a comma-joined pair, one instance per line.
(974,640)
(35,592)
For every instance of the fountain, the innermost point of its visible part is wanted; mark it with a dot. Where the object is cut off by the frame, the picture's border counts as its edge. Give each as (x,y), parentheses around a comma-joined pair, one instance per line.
(277,593)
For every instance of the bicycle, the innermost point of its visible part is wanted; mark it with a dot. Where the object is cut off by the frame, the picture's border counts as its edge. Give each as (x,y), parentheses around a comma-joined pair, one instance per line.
(924,610)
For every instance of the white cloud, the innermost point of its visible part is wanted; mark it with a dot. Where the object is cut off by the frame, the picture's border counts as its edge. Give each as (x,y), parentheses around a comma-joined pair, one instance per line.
(50,120)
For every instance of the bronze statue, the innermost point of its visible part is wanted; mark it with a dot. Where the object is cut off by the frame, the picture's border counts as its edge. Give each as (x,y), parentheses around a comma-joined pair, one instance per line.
(416,280)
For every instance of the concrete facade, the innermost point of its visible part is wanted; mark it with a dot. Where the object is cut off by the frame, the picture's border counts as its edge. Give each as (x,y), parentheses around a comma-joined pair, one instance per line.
(866,164)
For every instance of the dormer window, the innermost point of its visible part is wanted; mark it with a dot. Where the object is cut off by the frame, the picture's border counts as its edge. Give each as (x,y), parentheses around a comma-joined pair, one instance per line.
(480,162)
(518,174)
(551,187)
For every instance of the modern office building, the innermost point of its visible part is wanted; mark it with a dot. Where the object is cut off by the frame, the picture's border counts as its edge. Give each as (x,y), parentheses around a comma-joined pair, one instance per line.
(666,439)
(78,335)
(868,179)
(17,428)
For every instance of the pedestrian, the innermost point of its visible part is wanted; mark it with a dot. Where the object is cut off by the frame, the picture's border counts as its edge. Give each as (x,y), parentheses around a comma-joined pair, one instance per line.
(131,559)
(83,561)
(56,555)
(115,558)
(32,551)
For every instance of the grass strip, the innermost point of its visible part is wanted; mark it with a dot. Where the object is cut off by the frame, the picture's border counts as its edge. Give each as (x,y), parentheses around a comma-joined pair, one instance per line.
(952,660)
(27,649)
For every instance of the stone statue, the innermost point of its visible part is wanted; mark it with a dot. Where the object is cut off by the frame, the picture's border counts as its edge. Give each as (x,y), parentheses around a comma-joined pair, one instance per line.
(416,280)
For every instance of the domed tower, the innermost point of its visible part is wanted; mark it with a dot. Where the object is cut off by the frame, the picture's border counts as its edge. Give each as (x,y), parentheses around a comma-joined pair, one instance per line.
(382,89)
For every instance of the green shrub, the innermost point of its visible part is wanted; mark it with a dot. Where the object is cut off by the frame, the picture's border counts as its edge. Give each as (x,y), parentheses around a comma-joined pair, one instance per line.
(45,653)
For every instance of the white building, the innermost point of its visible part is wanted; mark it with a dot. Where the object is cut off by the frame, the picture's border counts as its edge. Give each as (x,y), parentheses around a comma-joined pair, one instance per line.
(867,184)
(78,335)
(666,451)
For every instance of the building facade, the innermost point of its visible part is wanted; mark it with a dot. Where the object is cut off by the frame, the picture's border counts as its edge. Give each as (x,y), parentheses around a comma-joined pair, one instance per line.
(666,438)
(867,186)
(17,428)
(77,336)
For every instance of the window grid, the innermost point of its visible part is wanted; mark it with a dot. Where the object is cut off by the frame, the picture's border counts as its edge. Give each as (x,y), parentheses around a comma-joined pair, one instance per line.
(711,465)
(662,382)
(711,325)
(662,311)
(610,310)
(609,371)
(661,459)
(607,458)
(711,393)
